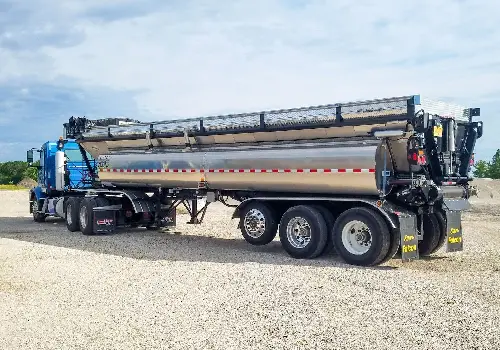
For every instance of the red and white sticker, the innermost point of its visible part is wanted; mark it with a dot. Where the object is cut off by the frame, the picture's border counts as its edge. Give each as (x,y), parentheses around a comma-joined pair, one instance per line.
(339,170)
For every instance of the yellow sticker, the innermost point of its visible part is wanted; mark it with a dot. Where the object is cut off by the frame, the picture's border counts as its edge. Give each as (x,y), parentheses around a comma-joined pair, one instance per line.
(409,248)
(438,131)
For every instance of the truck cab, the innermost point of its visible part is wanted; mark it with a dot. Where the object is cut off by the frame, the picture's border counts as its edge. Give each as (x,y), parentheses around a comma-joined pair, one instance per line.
(62,169)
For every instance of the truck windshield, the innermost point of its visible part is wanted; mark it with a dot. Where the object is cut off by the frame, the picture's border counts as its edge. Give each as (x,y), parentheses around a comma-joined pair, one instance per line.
(74,155)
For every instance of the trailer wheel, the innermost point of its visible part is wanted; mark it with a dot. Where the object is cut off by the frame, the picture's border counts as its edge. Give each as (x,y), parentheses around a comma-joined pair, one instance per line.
(432,233)
(85,216)
(442,234)
(258,223)
(361,237)
(394,247)
(330,221)
(303,232)
(72,210)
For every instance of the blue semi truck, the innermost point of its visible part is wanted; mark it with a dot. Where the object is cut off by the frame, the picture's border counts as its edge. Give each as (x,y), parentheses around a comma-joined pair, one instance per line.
(62,171)
(67,176)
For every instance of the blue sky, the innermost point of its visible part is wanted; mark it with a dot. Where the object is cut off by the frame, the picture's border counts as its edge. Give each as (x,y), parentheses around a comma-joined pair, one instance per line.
(158,59)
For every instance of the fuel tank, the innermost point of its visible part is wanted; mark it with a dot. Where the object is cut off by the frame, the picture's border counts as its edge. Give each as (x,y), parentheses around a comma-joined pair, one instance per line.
(348,167)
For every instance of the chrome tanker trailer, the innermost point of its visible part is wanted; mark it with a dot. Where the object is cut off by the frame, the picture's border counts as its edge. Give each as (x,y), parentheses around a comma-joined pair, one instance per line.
(366,178)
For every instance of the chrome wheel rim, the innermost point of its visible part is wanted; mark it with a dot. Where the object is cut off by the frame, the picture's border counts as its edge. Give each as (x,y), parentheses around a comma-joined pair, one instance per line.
(83,217)
(69,220)
(34,207)
(356,237)
(255,223)
(298,232)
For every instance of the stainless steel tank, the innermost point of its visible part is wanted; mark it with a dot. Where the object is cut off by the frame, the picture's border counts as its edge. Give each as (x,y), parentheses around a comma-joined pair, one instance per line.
(328,149)
(327,167)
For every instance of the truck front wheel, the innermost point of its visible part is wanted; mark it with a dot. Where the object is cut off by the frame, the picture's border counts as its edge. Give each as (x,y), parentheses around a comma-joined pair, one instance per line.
(36,207)
(303,232)
(85,216)
(361,237)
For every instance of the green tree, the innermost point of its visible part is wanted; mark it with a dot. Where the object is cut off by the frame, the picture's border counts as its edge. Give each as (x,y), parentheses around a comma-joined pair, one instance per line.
(481,169)
(488,169)
(12,172)
(32,172)
(494,167)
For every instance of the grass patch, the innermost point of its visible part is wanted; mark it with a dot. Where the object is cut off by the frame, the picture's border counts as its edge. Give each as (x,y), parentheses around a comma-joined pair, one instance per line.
(182,210)
(12,188)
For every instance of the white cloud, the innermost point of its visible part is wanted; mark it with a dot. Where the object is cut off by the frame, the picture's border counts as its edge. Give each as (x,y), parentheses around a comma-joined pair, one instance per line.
(252,54)
(202,57)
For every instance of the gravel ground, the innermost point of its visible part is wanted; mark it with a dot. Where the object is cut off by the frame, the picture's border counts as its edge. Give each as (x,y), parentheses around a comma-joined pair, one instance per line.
(203,287)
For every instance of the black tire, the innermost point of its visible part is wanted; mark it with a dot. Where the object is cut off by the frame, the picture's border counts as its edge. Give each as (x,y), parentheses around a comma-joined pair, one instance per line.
(72,210)
(87,206)
(36,206)
(379,234)
(258,214)
(442,235)
(330,221)
(394,248)
(432,233)
(318,232)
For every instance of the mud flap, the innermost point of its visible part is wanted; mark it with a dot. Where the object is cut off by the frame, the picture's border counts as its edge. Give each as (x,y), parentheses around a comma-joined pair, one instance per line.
(104,220)
(454,240)
(453,210)
(409,236)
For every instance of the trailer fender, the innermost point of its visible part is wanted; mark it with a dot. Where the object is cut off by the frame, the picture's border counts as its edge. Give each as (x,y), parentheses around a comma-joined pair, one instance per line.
(240,207)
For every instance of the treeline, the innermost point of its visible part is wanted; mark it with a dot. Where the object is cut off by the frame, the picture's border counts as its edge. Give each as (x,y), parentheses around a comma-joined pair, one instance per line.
(15,171)
(489,169)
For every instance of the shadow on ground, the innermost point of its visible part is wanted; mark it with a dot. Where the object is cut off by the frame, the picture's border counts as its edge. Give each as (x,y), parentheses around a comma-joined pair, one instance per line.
(154,245)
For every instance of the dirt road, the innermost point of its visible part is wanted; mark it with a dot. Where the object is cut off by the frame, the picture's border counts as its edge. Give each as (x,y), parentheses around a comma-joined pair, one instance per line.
(204,287)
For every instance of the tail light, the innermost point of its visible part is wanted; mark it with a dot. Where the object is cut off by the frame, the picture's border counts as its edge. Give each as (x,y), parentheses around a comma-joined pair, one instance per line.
(416,156)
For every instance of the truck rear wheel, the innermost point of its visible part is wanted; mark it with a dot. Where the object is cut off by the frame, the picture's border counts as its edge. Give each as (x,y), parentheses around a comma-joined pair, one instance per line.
(72,210)
(258,223)
(361,237)
(85,216)
(303,232)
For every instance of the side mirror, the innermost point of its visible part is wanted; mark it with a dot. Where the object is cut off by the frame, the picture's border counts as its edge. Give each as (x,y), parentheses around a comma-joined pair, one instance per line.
(29,156)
